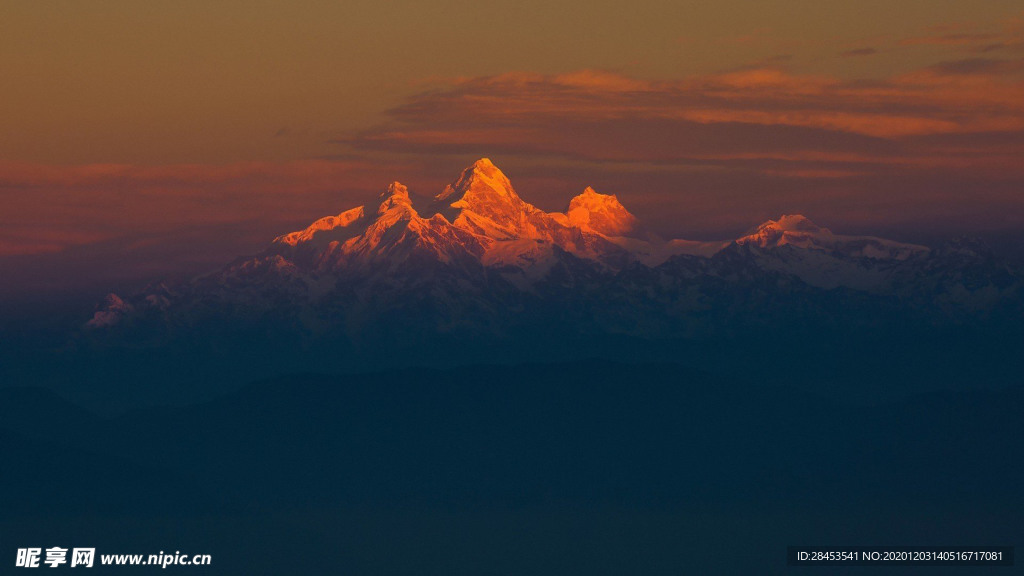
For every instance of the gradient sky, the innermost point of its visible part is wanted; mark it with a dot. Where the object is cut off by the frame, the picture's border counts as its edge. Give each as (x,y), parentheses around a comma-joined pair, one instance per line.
(144,139)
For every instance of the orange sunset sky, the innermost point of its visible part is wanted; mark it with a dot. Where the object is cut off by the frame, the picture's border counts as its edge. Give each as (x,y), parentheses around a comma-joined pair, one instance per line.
(149,138)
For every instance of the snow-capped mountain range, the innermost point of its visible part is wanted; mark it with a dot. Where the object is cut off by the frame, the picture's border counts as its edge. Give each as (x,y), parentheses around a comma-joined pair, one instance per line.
(480,217)
(477,256)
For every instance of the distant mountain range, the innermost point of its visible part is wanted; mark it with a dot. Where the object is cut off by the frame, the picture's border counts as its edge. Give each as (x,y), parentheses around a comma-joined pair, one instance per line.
(477,259)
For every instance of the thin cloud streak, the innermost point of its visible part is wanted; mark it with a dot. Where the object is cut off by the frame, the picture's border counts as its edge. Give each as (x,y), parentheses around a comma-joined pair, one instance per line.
(856,52)
(1007,35)
(600,116)
(50,208)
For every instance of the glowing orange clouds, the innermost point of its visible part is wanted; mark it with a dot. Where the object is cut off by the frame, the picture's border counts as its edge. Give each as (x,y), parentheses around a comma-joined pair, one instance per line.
(50,208)
(953,97)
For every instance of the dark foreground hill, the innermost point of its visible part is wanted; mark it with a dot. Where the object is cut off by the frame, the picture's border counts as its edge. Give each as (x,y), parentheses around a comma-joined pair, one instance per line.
(588,468)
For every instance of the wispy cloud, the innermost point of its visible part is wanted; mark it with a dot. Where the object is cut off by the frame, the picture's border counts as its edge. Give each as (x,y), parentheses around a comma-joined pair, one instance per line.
(602,116)
(1007,35)
(856,52)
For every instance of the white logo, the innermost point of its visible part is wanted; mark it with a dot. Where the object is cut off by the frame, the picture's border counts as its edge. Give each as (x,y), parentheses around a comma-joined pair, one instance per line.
(83,557)
(56,556)
(28,557)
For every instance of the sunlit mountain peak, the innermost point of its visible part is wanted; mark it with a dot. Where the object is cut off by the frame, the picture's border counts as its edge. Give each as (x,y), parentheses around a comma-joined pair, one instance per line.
(788,229)
(396,196)
(601,213)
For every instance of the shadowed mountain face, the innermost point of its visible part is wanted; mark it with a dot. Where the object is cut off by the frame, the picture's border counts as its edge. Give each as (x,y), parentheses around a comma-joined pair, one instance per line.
(478,258)
(594,468)
(477,274)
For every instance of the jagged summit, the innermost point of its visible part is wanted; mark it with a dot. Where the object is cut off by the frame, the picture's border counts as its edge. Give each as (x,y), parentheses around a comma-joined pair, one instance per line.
(799,231)
(396,196)
(794,222)
(481,182)
(482,199)
(788,229)
(601,213)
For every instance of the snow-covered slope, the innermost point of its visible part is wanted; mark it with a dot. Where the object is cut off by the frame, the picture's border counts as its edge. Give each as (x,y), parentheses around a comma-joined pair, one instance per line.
(796,230)
(795,245)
